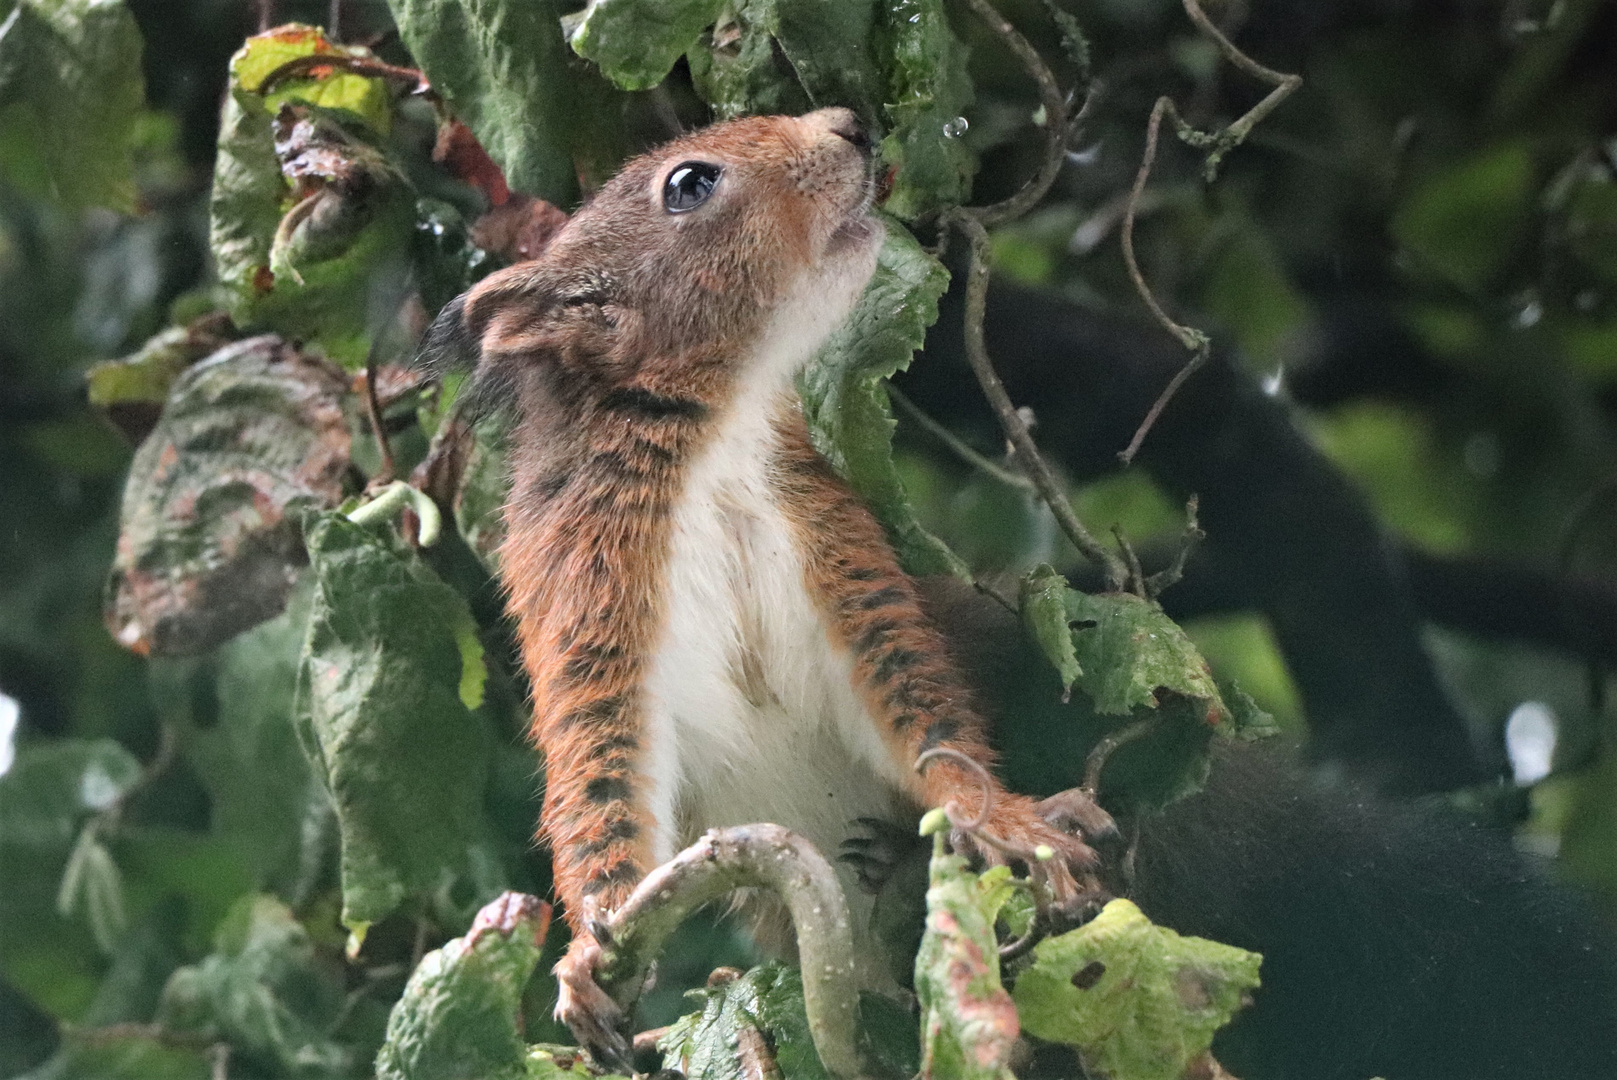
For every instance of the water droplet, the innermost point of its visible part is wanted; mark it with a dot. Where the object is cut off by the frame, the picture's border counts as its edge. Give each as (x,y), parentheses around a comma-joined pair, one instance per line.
(956,127)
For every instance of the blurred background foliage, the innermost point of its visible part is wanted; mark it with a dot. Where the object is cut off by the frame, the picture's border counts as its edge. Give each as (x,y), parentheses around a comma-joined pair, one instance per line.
(1415,258)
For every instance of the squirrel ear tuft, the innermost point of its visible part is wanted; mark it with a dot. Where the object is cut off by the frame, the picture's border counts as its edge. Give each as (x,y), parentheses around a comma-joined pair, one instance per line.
(449,344)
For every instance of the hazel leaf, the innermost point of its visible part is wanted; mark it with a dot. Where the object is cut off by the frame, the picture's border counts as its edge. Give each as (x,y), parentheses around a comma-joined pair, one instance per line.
(1137,1000)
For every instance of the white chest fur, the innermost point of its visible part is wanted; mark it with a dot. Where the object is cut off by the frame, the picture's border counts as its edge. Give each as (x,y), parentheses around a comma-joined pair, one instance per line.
(752,714)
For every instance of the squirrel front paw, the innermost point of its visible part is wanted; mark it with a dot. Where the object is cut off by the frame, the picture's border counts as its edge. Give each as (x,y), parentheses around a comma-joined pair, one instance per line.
(589,1012)
(1017,827)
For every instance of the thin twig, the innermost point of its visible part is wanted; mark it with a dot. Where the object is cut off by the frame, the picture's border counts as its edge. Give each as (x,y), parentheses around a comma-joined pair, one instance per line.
(1188,542)
(1114,741)
(1217,144)
(266,14)
(373,412)
(334,20)
(1136,581)
(303,67)
(955,443)
(1054,107)
(977,770)
(1010,420)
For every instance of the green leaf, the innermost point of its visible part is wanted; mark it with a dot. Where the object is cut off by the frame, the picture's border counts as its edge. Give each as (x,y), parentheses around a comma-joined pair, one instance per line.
(381,715)
(767,1001)
(71,91)
(265,990)
(263,799)
(1465,221)
(458,1016)
(53,786)
(124,1057)
(480,501)
(635,42)
(558,1063)
(145,376)
(928,88)
(208,536)
(1044,614)
(845,400)
(829,44)
(968,1022)
(504,68)
(1137,1000)
(332,265)
(736,71)
(92,882)
(1130,652)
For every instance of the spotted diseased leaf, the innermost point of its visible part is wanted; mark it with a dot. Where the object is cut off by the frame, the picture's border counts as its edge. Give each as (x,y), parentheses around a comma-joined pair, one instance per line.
(458,1016)
(381,711)
(845,399)
(310,220)
(70,92)
(208,537)
(968,1022)
(928,89)
(131,390)
(267,991)
(1138,1001)
(1044,615)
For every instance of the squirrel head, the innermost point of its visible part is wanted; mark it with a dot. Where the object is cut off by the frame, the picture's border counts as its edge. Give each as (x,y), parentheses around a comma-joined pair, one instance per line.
(748,238)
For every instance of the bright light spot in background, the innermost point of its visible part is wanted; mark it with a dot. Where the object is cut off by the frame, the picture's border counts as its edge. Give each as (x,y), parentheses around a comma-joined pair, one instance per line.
(1274,382)
(10,713)
(1530,741)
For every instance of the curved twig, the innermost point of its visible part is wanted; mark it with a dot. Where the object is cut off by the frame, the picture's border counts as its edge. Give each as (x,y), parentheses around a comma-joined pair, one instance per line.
(303,67)
(763,856)
(1012,422)
(957,445)
(978,770)
(1114,741)
(1217,144)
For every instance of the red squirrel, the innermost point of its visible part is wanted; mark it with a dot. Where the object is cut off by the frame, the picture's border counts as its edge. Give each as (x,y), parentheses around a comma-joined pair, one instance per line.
(714,626)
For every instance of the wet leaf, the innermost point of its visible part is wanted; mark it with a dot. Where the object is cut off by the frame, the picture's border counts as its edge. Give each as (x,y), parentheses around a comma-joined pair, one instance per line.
(635,42)
(208,537)
(458,1017)
(845,400)
(750,1024)
(382,715)
(1044,614)
(1137,1000)
(928,88)
(737,71)
(310,220)
(71,91)
(265,990)
(1131,653)
(968,1022)
(505,70)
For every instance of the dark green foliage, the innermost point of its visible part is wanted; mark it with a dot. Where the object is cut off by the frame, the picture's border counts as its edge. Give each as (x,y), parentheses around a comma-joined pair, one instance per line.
(327,733)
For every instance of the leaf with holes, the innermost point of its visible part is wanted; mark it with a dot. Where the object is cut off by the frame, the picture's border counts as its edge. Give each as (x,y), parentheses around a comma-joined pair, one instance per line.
(1138,1001)
(845,399)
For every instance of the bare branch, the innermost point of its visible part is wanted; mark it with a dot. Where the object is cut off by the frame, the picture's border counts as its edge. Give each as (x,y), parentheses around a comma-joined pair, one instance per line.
(1010,420)
(1217,144)
(957,445)
(762,856)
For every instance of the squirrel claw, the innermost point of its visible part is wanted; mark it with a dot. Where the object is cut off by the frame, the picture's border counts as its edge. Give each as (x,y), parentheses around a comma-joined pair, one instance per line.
(589,1012)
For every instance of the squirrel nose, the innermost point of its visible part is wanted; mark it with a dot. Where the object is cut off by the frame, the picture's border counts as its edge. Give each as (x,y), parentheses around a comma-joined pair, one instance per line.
(844,124)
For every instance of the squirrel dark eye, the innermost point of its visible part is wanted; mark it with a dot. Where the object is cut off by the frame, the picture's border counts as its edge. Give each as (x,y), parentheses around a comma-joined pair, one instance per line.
(689,185)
